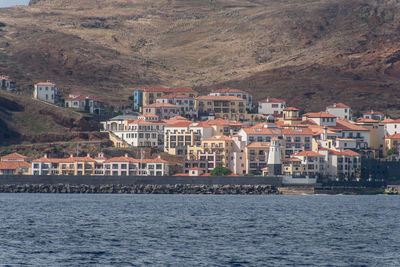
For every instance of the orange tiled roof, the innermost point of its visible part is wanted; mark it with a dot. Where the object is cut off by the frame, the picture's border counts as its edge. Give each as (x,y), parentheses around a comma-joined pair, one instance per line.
(361,120)
(259,144)
(161,105)
(272,100)
(221,122)
(220,98)
(141,121)
(13,165)
(180,124)
(321,114)
(345,125)
(348,152)
(65,160)
(154,89)
(229,90)
(339,105)
(181,174)
(290,109)
(253,130)
(45,83)
(309,153)
(291,160)
(170,96)
(13,156)
(373,112)
(394,136)
(304,131)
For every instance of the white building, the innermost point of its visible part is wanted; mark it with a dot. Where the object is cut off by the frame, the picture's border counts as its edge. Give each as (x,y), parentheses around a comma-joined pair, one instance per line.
(321,118)
(391,127)
(374,115)
(314,162)
(235,92)
(46,91)
(340,110)
(180,135)
(88,103)
(271,106)
(124,166)
(259,133)
(342,163)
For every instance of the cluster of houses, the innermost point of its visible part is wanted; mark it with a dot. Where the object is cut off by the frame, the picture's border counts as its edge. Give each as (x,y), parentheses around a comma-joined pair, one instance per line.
(15,164)
(219,129)
(48,92)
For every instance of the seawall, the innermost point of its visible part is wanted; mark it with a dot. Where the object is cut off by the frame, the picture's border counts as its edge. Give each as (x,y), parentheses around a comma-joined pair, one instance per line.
(140,189)
(140,184)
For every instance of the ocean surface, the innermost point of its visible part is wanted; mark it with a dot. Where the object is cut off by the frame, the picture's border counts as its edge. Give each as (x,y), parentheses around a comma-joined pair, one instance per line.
(199,230)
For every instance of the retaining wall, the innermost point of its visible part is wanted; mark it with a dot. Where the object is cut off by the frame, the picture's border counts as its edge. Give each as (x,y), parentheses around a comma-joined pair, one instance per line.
(136,180)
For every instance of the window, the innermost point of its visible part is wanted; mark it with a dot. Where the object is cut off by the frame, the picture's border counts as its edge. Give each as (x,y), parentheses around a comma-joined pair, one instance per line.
(123,166)
(115,166)
(307,139)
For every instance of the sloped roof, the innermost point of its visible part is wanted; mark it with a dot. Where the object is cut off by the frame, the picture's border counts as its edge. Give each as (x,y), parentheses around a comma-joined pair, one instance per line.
(272,100)
(161,105)
(229,90)
(220,98)
(13,165)
(338,105)
(321,114)
(309,153)
(13,156)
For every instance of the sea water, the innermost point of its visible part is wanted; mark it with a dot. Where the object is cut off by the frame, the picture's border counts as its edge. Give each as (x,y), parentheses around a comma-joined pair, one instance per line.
(199,230)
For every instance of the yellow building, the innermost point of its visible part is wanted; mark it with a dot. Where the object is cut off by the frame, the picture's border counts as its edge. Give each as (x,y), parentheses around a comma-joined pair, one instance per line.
(293,167)
(392,142)
(377,131)
(291,116)
(227,107)
(216,150)
(148,95)
(256,156)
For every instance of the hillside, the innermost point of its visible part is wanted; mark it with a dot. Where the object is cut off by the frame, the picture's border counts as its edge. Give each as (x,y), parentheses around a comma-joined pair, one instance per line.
(25,120)
(310,52)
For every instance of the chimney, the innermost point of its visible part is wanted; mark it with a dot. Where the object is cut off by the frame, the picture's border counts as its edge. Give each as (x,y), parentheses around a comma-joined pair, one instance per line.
(126,155)
(88,155)
(334,105)
(100,155)
(45,155)
(325,134)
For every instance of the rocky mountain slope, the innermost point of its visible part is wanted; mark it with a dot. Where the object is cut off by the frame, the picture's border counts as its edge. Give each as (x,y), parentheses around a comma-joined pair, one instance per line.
(310,52)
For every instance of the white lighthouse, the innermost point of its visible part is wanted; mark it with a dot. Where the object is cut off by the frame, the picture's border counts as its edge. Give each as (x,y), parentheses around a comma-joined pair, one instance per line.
(274,158)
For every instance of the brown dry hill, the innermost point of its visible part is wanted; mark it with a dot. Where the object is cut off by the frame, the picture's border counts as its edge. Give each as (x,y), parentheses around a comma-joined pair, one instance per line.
(310,52)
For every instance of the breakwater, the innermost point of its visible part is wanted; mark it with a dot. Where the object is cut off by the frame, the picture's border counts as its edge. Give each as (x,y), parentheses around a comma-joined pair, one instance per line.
(139,189)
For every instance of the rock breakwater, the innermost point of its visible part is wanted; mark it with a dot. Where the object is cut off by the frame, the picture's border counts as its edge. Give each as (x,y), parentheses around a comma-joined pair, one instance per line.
(140,189)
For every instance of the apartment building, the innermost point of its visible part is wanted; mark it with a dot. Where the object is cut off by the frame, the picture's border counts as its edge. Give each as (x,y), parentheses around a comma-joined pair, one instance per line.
(216,150)
(128,166)
(180,135)
(271,106)
(184,103)
(314,163)
(227,107)
(297,140)
(340,110)
(263,132)
(148,95)
(162,110)
(64,166)
(237,93)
